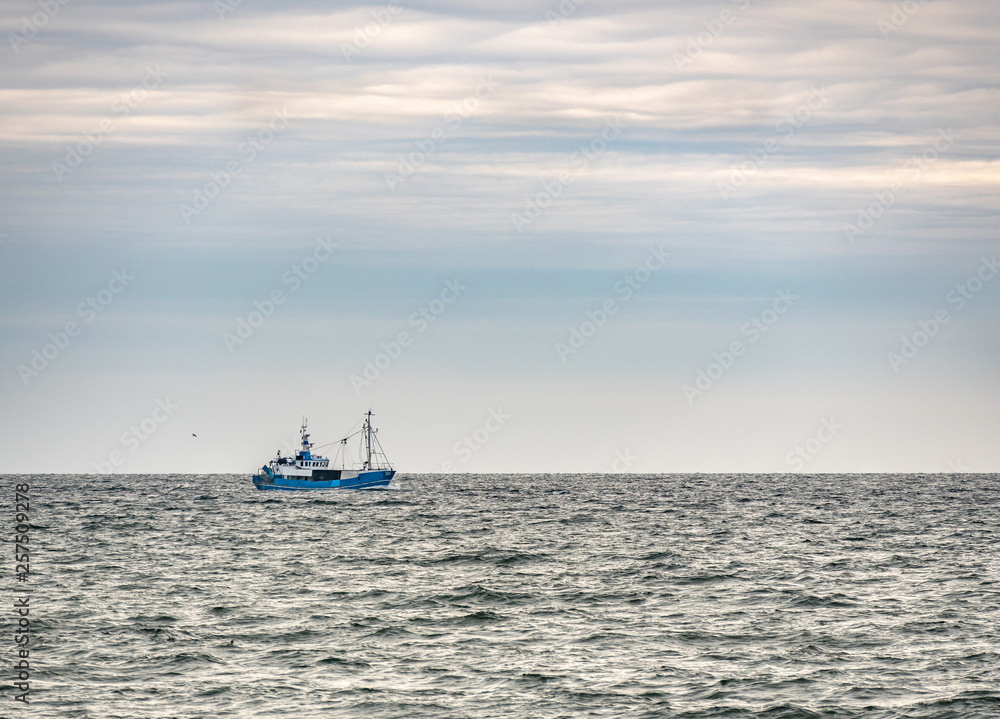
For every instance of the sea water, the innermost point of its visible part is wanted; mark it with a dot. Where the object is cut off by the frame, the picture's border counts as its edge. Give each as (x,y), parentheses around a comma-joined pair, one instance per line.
(504,596)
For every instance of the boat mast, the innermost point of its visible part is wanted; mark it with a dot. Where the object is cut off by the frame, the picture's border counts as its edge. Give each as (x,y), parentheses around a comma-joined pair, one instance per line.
(368,438)
(306,445)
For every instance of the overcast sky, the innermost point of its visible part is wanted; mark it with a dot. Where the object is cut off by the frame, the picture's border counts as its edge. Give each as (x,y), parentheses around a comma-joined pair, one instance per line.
(670,236)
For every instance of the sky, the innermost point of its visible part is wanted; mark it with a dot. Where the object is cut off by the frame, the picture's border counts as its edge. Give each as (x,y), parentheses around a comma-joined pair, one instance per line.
(577,236)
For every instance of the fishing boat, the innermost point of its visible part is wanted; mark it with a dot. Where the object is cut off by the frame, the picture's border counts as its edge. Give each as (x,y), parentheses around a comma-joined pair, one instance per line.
(307,470)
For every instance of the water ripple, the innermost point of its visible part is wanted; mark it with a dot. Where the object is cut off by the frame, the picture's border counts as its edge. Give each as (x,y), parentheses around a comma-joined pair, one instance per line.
(694,597)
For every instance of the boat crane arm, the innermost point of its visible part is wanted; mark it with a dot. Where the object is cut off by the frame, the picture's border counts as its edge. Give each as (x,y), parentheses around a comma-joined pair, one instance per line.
(341,441)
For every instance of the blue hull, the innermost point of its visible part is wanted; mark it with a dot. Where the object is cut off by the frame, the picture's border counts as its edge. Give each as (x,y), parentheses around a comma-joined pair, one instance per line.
(364,480)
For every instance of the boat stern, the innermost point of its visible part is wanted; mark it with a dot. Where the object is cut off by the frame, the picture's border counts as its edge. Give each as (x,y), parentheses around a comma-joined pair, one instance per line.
(264,480)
